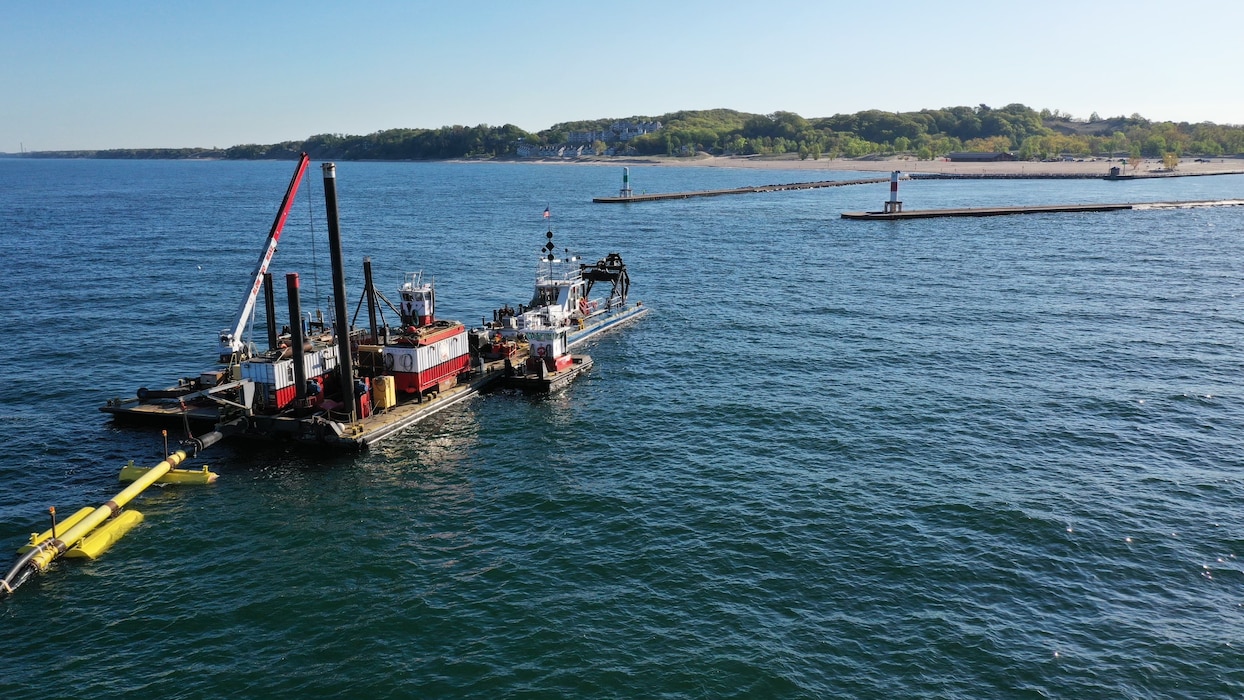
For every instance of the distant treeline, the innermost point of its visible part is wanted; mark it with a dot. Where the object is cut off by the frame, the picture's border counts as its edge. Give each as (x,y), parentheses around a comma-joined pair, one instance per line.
(926,134)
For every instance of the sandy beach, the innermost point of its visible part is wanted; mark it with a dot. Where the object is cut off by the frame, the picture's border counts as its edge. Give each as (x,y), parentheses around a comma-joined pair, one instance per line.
(1086,167)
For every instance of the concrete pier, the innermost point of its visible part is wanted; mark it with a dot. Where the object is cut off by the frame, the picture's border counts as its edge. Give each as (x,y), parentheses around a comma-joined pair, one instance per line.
(1030,209)
(738,190)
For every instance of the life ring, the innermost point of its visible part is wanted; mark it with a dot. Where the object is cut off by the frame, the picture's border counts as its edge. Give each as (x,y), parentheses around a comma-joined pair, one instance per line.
(388,361)
(540,351)
(583,307)
(407,362)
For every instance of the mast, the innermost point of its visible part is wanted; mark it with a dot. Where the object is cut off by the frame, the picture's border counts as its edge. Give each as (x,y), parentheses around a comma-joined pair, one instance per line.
(296,341)
(269,305)
(370,292)
(231,347)
(344,360)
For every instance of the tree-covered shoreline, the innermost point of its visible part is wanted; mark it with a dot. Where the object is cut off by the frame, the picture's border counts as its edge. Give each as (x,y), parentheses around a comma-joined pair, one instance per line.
(924,134)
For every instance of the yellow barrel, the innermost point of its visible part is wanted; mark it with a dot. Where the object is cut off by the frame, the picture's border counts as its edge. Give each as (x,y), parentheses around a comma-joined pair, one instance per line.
(384,391)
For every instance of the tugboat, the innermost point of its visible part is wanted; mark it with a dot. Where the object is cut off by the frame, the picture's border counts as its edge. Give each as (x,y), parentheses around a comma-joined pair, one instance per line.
(549,366)
(563,299)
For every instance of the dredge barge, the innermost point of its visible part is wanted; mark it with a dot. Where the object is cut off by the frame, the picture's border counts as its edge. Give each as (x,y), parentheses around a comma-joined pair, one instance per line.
(334,385)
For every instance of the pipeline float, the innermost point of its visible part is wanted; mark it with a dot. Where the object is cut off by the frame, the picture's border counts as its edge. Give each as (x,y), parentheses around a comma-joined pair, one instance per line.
(89,532)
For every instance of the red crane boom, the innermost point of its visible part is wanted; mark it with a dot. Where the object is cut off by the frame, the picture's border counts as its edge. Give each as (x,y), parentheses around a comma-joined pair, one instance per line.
(231,346)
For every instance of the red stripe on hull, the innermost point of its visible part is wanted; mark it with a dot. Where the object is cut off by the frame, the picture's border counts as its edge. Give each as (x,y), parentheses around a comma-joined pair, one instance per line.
(285,397)
(416,382)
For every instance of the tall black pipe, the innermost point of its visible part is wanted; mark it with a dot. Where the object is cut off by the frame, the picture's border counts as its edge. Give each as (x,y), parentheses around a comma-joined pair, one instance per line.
(339,289)
(269,306)
(370,290)
(296,341)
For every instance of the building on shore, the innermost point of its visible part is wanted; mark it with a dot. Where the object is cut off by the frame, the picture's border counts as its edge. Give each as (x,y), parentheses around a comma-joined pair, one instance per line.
(617,132)
(535,150)
(974,157)
(581,143)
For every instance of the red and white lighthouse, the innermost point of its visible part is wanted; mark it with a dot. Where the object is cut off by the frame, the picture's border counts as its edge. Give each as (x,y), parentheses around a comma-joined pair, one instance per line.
(893,205)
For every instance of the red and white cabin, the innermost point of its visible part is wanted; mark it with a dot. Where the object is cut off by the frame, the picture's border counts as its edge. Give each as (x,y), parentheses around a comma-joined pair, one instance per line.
(275,377)
(423,362)
(429,353)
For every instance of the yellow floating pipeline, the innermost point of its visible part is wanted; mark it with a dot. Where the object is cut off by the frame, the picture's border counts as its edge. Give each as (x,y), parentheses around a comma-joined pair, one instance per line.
(44,551)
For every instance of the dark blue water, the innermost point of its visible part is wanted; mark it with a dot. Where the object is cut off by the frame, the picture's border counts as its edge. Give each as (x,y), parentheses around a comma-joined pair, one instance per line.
(944,458)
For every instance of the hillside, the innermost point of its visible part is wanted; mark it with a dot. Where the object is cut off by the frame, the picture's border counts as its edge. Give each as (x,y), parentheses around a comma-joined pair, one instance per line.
(924,134)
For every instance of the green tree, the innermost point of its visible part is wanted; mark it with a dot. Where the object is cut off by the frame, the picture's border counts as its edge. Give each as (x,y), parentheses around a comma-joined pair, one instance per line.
(928,132)
(1153,147)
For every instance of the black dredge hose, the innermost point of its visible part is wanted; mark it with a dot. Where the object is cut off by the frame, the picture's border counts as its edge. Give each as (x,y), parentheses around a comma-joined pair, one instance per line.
(22,570)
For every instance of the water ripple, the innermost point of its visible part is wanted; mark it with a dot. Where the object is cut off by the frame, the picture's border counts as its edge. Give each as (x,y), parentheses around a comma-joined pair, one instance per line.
(950,459)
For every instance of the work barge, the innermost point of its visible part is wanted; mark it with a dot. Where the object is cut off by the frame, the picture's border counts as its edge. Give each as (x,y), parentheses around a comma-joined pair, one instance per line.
(339,386)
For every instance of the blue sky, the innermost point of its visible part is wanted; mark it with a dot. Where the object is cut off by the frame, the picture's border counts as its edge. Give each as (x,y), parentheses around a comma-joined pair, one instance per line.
(82,75)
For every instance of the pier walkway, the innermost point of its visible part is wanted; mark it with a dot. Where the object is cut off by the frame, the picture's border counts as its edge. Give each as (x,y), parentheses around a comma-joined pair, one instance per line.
(737,190)
(1030,209)
(1147,175)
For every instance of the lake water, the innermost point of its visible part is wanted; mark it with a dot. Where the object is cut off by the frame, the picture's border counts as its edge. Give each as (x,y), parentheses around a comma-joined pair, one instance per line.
(955,458)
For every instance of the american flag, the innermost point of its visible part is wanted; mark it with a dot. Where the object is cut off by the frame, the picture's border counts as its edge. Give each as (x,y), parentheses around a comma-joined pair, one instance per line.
(546,213)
